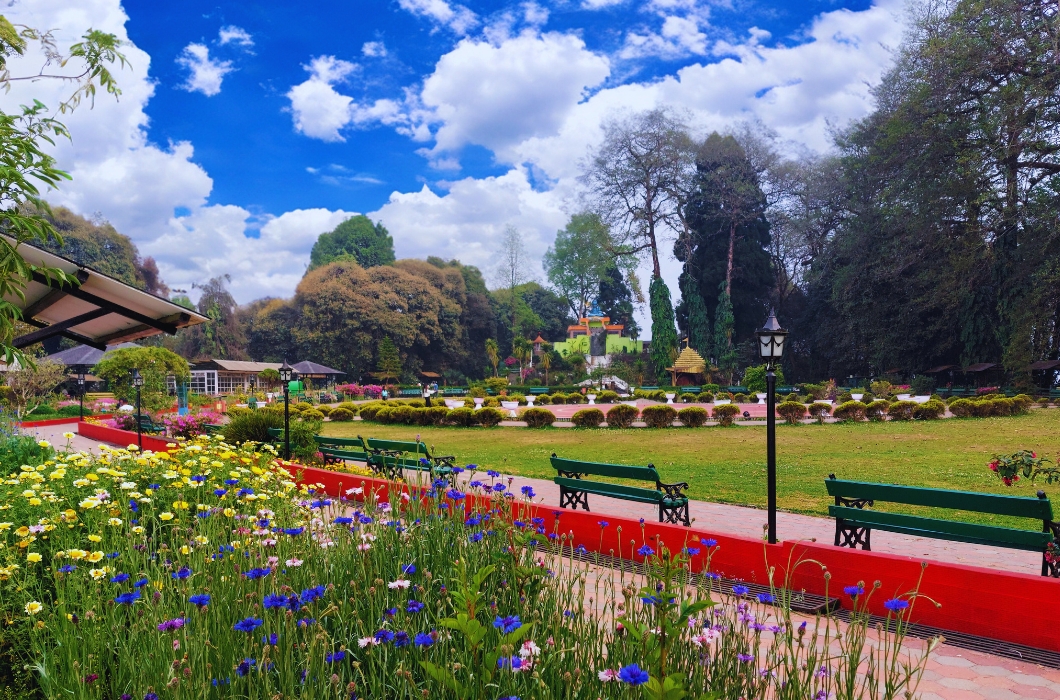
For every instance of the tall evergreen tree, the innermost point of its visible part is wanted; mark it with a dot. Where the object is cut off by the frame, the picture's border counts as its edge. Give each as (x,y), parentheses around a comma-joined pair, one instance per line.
(724,348)
(616,300)
(692,315)
(663,330)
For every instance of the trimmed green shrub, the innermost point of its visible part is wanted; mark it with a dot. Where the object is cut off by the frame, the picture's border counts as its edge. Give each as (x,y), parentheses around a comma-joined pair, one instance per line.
(818,410)
(843,397)
(962,408)
(742,398)
(693,416)
(687,398)
(1003,407)
(658,416)
(340,415)
(312,414)
(791,411)
(607,397)
(462,417)
(621,416)
(726,413)
(588,418)
(876,410)
(301,406)
(324,409)
(657,395)
(369,410)
(705,397)
(929,410)
(792,397)
(575,397)
(537,417)
(936,397)
(492,402)
(1023,403)
(1043,401)
(252,426)
(240,411)
(902,410)
(350,406)
(850,411)
(490,417)
(558,399)
(543,400)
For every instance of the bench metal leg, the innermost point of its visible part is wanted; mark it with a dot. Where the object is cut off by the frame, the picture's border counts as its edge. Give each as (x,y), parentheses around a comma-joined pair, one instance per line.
(569,498)
(852,535)
(678,515)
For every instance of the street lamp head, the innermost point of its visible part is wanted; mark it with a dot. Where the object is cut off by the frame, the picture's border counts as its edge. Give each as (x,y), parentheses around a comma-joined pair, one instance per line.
(771,340)
(286,371)
(137,378)
(81,378)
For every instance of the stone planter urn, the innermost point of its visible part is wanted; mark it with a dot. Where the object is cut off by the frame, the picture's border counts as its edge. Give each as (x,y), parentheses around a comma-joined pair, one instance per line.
(453,403)
(478,403)
(719,402)
(857,397)
(761,398)
(592,399)
(670,398)
(510,406)
(530,401)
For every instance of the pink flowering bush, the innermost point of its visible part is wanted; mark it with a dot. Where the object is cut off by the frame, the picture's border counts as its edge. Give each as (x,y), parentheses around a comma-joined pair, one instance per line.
(191,425)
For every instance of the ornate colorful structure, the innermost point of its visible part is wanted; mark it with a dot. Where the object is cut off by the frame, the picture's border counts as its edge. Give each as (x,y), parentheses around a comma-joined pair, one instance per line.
(597,338)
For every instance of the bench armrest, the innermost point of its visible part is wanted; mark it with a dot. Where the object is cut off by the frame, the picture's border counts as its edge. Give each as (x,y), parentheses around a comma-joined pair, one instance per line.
(672,490)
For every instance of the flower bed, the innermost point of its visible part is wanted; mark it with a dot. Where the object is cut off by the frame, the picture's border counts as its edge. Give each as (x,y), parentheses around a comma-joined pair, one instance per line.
(207,572)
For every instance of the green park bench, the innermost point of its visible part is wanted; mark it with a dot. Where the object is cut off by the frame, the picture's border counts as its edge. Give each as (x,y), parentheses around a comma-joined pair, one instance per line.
(736,389)
(785,390)
(411,392)
(336,449)
(454,391)
(390,457)
(1054,393)
(689,389)
(537,390)
(212,428)
(854,523)
(148,425)
(574,490)
(649,388)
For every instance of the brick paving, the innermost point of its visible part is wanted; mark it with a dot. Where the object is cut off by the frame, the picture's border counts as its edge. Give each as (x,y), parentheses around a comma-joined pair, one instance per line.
(952,673)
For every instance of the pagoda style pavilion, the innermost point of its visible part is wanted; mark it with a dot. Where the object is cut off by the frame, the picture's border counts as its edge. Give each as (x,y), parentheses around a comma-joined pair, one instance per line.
(689,368)
(597,338)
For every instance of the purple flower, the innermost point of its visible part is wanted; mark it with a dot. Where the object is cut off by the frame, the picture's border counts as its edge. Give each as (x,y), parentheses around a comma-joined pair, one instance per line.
(127,598)
(244,667)
(745,658)
(414,606)
(401,639)
(740,590)
(423,640)
(170,625)
(633,675)
(248,625)
(645,551)
(181,573)
(200,599)
(274,601)
(507,624)
(336,656)
(384,636)
(765,598)
(854,591)
(896,604)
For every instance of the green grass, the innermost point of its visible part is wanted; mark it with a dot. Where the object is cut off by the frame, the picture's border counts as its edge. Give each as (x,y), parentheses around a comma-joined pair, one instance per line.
(727,465)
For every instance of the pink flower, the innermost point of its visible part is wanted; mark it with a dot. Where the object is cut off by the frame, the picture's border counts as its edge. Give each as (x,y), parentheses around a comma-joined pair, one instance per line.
(293,562)
(607,675)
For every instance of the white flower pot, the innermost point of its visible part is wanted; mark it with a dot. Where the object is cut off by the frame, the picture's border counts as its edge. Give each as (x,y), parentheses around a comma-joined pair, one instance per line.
(761,397)
(453,403)
(592,399)
(857,397)
(670,398)
(478,403)
(921,399)
(719,402)
(904,397)
(510,406)
(530,401)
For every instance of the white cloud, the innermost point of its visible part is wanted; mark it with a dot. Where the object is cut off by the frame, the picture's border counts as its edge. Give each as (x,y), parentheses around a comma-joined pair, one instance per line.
(235,35)
(319,110)
(456,17)
(600,4)
(374,49)
(678,37)
(206,73)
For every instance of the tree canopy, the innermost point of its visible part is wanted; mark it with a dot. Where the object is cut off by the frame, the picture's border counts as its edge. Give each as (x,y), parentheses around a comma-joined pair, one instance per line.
(358,239)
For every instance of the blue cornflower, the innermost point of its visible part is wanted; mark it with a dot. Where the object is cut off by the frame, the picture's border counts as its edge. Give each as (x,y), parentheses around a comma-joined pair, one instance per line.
(203,514)
(692,551)
(507,624)
(439,483)
(492,473)
(519,524)
(537,521)
(896,604)
(476,484)
(740,590)
(475,537)
(414,606)
(120,578)
(155,487)
(336,656)
(113,555)
(498,487)
(219,492)
(390,612)
(384,636)
(455,494)
(141,583)
(293,531)
(274,601)
(255,574)
(765,598)
(473,521)
(424,461)
(527,491)
(633,674)
(710,543)
(231,482)
(128,598)
(244,667)
(271,639)
(580,549)
(150,696)
(365,520)
(306,621)
(645,551)
(311,594)
(401,639)
(651,600)
(603,523)
(198,478)
(408,569)
(134,506)
(246,492)
(458,470)
(67,569)
(745,658)
(854,591)
(248,625)
(263,522)
(181,573)
(343,520)
(422,639)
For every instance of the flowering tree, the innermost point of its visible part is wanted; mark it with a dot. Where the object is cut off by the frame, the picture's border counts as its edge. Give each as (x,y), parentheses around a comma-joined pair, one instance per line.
(31,385)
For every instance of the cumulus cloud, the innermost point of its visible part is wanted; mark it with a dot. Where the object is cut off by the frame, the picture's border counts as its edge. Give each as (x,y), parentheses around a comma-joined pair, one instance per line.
(206,73)
(678,37)
(374,49)
(456,17)
(319,110)
(235,35)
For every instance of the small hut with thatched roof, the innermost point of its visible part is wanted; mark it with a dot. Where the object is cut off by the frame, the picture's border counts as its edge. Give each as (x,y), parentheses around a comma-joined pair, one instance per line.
(689,368)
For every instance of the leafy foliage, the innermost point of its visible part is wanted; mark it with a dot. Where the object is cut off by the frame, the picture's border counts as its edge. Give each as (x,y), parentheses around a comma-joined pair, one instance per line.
(154,365)
(356,239)
(537,417)
(791,411)
(693,416)
(726,413)
(658,416)
(588,418)
(663,331)
(621,416)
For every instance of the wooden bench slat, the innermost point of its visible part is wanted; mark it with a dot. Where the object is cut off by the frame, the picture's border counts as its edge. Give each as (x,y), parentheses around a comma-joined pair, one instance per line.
(617,471)
(351,455)
(951,530)
(995,504)
(633,493)
(325,441)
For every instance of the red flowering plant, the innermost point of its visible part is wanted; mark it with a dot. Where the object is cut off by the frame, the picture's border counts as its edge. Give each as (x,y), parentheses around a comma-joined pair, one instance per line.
(1009,468)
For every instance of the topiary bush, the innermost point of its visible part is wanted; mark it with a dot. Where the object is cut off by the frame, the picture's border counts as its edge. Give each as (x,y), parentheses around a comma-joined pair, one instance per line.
(324,409)
(929,410)
(350,406)
(301,406)
(575,397)
(902,410)
(705,397)
(1023,403)
(845,396)
(462,417)
(792,397)
(657,395)
(658,416)
(621,416)
(607,397)
(962,408)
(340,415)
(791,411)
(693,416)
(537,417)
(850,411)
(588,418)
(252,426)
(492,402)
(312,414)
(558,399)
(726,413)
(369,410)
(1043,401)
(490,417)
(544,400)
(741,398)
(687,398)
(876,410)
(818,410)
(238,411)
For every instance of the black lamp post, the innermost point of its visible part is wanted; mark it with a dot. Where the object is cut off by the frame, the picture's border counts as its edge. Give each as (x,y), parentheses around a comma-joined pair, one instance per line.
(285,378)
(138,382)
(81,393)
(771,349)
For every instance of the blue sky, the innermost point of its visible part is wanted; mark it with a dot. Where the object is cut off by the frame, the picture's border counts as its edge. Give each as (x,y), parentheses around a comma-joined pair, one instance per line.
(247,129)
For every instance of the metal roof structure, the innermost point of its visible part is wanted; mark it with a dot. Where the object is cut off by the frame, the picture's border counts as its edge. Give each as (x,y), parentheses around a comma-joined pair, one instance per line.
(235,365)
(940,368)
(96,311)
(1045,364)
(307,368)
(979,367)
(85,356)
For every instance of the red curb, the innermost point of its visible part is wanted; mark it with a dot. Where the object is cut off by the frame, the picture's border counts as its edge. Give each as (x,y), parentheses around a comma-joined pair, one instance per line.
(121,437)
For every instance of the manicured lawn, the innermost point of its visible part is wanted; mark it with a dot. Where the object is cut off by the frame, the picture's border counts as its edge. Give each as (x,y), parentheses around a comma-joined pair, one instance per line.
(727,465)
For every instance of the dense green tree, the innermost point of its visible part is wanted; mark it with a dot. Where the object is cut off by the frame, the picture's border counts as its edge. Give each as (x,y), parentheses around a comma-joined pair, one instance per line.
(154,365)
(356,238)
(692,315)
(578,260)
(663,330)
(223,337)
(616,299)
(388,361)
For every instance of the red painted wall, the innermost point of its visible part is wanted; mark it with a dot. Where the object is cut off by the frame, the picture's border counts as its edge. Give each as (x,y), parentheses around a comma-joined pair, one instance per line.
(1018,608)
(121,437)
